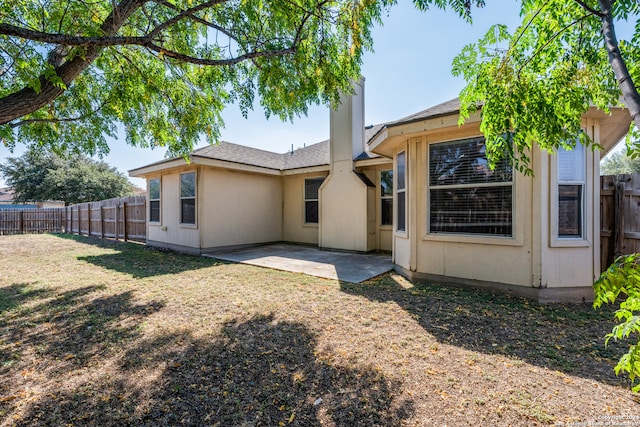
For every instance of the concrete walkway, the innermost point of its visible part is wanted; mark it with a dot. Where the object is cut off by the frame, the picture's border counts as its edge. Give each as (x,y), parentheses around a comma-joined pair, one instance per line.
(349,267)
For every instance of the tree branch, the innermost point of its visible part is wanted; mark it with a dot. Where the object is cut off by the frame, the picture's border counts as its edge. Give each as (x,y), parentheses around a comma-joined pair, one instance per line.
(590,9)
(219,62)
(555,36)
(625,82)
(58,119)
(27,100)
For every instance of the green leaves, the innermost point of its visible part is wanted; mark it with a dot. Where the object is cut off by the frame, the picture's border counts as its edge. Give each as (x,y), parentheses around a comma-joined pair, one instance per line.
(37,176)
(621,281)
(537,82)
(171,67)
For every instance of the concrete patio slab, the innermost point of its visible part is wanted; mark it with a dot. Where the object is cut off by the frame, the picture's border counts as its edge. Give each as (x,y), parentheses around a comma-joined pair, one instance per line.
(349,267)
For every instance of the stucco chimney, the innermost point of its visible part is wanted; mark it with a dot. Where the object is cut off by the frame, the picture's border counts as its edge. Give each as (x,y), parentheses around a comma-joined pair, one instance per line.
(345,195)
(347,126)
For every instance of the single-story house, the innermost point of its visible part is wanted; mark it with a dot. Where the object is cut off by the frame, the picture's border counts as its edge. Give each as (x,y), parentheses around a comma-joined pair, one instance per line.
(7,201)
(418,187)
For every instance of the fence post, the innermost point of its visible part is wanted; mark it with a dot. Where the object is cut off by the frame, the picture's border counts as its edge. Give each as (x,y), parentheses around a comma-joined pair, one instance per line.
(101,221)
(124,220)
(618,230)
(89,219)
(117,217)
(21,221)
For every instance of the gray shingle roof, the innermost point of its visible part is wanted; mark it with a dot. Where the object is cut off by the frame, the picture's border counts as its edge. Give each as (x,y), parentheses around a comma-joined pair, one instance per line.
(311,155)
(443,109)
(241,154)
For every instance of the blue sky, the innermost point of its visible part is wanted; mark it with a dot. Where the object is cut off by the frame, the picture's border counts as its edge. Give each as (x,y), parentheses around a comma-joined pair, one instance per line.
(409,71)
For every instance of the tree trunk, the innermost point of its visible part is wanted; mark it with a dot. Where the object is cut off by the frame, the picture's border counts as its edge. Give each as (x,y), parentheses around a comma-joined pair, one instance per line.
(27,100)
(627,86)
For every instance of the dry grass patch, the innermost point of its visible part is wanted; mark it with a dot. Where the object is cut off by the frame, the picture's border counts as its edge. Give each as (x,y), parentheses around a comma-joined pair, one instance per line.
(102,333)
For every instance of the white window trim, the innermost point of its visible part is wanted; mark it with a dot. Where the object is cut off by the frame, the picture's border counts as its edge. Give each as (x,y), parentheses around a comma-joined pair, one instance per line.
(159,200)
(195,198)
(516,238)
(555,241)
(396,191)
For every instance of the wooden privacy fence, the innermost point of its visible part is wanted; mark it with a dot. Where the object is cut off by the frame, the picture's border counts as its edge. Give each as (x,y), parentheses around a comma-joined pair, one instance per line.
(21,221)
(619,217)
(119,218)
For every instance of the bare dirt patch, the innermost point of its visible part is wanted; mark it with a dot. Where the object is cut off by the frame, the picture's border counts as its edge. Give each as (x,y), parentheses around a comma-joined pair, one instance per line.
(103,333)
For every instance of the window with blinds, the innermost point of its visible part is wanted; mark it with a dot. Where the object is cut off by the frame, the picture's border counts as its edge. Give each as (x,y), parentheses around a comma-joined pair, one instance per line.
(571,184)
(465,195)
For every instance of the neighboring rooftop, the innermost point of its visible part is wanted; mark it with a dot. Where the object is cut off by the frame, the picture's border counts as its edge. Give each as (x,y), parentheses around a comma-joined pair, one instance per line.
(6,195)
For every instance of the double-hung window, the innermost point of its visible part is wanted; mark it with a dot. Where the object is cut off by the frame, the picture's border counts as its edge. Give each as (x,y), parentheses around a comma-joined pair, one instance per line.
(386,197)
(465,195)
(311,192)
(154,200)
(571,191)
(188,198)
(401,191)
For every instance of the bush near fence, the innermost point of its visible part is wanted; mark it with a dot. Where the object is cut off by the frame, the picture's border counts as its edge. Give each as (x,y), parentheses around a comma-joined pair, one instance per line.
(120,218)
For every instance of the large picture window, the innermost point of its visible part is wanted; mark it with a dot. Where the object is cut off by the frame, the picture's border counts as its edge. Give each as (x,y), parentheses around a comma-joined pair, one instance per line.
(188,198)
(154,200)
(571,184)
(401,191)
(386,197)
(311,191)
(465,195)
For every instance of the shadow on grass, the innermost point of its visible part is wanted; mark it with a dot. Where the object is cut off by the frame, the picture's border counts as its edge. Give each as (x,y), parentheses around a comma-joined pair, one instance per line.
(564,337)
(256,372)
(138,260)
(68,329)
(14,295)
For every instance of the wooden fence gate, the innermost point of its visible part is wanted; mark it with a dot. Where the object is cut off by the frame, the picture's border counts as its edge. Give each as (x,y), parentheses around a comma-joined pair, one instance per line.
(619,217)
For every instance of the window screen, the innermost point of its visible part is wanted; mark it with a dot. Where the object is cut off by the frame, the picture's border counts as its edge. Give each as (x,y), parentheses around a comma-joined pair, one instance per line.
(311,192)
(188,198)
(386,197)
(154,200)
(571,184)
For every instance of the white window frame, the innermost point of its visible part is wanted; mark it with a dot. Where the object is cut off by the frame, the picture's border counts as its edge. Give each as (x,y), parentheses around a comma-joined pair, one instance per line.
(400,191)
(556,240)
(387,197)
(194,197)
(512,239)
(159,200)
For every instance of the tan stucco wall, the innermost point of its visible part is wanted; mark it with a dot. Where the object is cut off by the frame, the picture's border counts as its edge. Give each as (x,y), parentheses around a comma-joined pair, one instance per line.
(531,258)
(239,208)
(169,230)
(294,228)
(567,263)
(343,210)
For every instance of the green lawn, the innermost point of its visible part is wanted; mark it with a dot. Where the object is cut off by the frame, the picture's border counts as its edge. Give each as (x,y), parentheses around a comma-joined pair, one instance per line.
(105,333)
